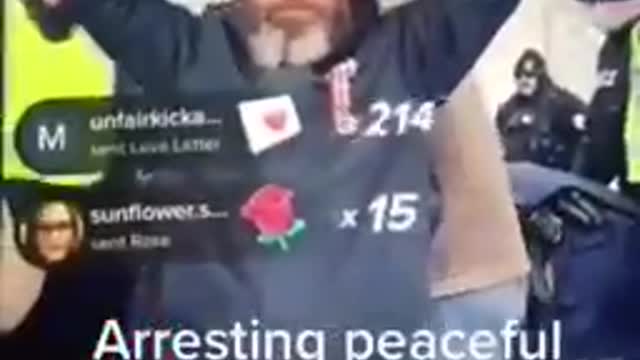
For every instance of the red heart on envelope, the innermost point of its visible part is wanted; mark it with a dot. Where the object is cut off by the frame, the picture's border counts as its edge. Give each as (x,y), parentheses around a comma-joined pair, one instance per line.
(276,119)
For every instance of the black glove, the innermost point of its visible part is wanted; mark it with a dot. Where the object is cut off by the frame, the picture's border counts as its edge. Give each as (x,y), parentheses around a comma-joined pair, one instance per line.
(53,24)
(543,231)
(577,208)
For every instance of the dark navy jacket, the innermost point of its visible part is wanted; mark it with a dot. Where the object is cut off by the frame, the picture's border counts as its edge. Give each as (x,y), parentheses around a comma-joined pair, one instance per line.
(596,270)
(336,278)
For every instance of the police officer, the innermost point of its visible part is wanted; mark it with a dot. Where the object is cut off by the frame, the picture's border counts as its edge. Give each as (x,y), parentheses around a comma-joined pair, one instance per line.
(541,122)
(615,130)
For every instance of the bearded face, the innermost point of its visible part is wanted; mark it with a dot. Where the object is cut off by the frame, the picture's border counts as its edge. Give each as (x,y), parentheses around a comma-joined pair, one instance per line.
(294,16)
(294,32)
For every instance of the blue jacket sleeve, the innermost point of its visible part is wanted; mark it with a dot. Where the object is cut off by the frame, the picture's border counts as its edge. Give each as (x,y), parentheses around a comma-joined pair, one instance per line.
(152,40)
(449,36)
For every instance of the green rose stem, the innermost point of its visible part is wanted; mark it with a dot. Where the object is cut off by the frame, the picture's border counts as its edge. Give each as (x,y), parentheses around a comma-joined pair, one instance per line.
(268,240)
(283,241)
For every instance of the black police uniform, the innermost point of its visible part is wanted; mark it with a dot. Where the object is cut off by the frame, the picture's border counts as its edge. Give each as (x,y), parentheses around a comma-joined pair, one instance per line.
(540,128)
(606,155)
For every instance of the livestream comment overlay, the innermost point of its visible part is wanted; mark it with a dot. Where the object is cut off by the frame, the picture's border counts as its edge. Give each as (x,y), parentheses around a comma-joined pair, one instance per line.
(169,173)
(81,136)
(189,183)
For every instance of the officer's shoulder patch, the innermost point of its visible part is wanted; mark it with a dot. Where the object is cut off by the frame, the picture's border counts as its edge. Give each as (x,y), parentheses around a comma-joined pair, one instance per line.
(607,78)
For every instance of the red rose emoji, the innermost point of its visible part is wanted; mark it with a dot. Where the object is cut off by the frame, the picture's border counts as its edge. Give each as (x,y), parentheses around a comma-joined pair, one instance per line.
(270,209)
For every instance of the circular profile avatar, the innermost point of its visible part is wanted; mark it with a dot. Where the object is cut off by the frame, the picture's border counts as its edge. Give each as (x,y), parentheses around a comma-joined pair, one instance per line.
(53,234)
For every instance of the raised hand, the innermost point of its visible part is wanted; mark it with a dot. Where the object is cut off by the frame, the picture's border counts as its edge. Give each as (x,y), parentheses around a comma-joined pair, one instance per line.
(20,282)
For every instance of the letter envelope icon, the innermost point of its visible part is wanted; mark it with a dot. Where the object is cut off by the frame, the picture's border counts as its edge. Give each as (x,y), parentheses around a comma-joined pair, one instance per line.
(269,122)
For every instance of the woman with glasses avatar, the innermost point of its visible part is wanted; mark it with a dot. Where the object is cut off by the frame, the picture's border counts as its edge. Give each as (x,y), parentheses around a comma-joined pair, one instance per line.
(53,234)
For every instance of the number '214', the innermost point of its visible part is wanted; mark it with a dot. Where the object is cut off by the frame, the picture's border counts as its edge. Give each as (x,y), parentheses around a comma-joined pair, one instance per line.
(390,120)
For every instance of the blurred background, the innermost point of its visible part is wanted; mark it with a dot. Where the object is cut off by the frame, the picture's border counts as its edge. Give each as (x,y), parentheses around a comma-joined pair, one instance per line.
(560,29)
